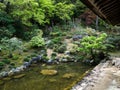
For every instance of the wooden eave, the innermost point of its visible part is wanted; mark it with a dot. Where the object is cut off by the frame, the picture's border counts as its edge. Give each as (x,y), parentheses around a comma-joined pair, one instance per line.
(108,10)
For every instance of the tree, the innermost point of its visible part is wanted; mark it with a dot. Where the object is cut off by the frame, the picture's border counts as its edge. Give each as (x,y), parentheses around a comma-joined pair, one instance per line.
(64,11)
(38,11)
(32,10)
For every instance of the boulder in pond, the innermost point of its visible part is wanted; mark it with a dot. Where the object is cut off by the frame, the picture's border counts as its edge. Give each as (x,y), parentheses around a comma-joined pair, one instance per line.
(19,76)
(68,75)
(48,72)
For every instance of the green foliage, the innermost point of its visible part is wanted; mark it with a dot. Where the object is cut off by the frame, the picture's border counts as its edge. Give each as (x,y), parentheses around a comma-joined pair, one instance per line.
(6,61)
(37,41)
(38,11)
(60,49)
(26,59)
(12,44)
(79,8)
(57,40)
(64,11)
(93,46)
(6,25)
(1,65)
(2,7)
(27,35)
(113,40)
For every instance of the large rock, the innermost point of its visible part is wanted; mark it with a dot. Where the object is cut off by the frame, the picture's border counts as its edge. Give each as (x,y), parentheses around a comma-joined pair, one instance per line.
(26,64)
(36,59)
(4,74)
(11,72)
(48,72)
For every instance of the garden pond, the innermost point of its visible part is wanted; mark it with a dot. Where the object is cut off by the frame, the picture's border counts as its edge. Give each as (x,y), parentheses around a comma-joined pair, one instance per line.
(67,75)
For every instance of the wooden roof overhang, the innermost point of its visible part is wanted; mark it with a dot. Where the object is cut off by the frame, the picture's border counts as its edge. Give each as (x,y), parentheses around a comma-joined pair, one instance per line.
(108,10)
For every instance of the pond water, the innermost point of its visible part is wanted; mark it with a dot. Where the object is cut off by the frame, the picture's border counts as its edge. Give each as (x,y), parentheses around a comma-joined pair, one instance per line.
(34,80)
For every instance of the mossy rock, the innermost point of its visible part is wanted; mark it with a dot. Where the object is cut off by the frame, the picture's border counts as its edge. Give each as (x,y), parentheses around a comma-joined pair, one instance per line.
(1,82)
(48,72)
(6,79)
(68,75)
(52,80)
(19,76)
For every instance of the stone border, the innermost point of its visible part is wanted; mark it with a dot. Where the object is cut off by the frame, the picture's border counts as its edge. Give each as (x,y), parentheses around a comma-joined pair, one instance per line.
(96,75)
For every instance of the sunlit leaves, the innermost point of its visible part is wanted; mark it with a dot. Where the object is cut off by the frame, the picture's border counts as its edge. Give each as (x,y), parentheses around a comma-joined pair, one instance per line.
(64,11)
(39,11)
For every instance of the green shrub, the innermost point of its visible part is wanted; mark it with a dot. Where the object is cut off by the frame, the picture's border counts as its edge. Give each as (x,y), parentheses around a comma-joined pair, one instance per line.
(26,59)
(12,64)
(54,34)
(68,36)
(95,47)
(32,55)
(6,61)
(37,41)
(6,25)
(115,41)
(60,49)
(54,54)
(2,65)
(57,40)
(12,45)
(15,57)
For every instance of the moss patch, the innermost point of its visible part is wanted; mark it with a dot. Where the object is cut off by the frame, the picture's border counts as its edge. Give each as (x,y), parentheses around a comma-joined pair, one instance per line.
(49,72)
(69,75)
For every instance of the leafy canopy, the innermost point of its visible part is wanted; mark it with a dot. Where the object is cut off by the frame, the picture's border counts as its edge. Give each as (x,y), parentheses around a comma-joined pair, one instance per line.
(39,11)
